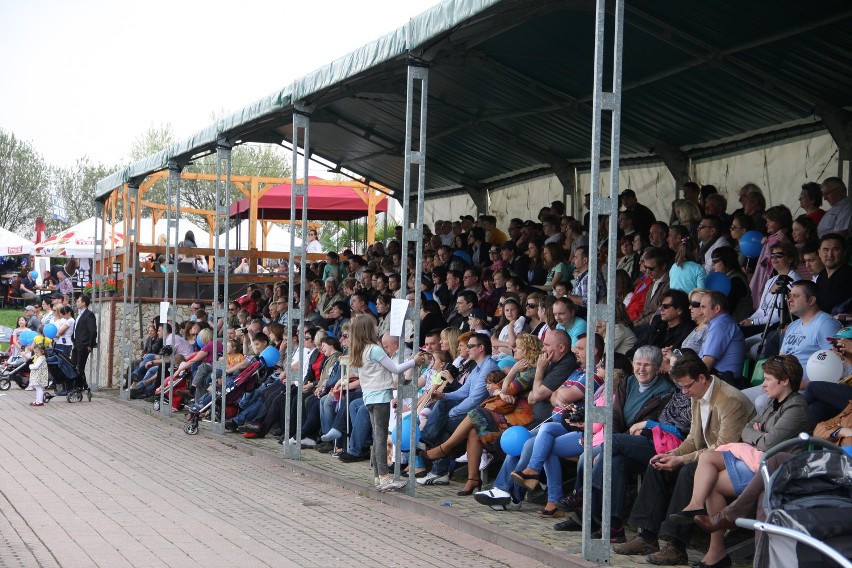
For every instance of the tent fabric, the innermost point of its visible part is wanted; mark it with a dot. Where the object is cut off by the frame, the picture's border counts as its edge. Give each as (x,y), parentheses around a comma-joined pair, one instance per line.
(277,240)
(14,245)
(78,241)
(511,88)
(202,237)
(325,203)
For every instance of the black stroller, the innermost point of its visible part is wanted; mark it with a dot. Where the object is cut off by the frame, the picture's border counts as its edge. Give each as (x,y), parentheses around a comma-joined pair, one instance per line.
(248,380)
(808,502)
(64,373)
(17,370)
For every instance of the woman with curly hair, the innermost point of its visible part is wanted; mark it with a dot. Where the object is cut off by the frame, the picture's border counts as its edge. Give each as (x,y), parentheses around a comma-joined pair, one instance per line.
(506,407)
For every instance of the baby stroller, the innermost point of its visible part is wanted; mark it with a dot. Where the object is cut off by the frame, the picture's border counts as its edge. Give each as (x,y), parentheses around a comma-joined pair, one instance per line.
(176,398)
(808,501)
(63,372)
(17,370)
(248,379)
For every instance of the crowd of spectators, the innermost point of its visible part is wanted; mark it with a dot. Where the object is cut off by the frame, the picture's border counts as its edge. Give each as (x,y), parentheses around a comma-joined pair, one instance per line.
(504,335)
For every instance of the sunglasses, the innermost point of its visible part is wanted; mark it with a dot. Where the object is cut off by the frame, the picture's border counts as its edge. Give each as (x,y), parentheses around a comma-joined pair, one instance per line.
(665,306)
(777,255)
(694,304)
(345,336)
(473,345)
(533,306)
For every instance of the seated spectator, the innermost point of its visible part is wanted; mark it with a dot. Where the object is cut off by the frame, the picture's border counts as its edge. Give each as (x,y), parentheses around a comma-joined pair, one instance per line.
(810,200)
(710,237)
(510,326)
(637,414)
(837,218)
(779,223)
(723,350)
(696,337)
(685,273)
(804,234)
(719,412)
(507,406)
(625,339)
(453,407)
(629,261)
(565,314)
(833,281)
(825,399)
(580,290)
(810,331)
(724,472)
(671,326)
(536,272)
(656,263)
(557,269)
(739,298)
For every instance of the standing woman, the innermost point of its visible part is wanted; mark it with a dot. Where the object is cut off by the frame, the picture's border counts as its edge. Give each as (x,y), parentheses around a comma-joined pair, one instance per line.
(779,223)
(64,323)
(376,374)
(685,274)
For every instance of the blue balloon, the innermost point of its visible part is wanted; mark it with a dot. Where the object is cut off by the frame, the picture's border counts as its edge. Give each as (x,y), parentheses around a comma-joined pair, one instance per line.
(27,337)
(750,244)
(270,356)
(34,275)
(405,443)
(50,331)
(505,364)
(718,281)
(197,341)
(513,439)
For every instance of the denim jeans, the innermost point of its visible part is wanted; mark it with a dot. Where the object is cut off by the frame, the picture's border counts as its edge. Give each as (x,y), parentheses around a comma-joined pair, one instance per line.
(333,414)
(442,466)
(630,456)
(553,443)
(433,432)
(362,430)
(139,371)
(510,464)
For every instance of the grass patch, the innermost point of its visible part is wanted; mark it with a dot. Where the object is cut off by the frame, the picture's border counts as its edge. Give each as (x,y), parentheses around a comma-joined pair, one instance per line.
(8,318)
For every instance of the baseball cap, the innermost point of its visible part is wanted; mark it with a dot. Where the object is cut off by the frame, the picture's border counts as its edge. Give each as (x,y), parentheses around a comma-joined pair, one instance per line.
(29,308)
(478,314)
(843,333)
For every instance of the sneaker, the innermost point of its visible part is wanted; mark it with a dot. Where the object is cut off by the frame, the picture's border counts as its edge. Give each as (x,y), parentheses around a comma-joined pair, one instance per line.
(250,427)
(308,443)
(230,425)
(325,447)
(485,460)
(463,458)
(387,483)
(636,546)
(434,479)
(494,497)
(669,555)
(571,503)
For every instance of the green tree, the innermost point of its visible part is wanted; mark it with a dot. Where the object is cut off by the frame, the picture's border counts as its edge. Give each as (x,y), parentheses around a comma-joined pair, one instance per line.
(74,187)
(23,185)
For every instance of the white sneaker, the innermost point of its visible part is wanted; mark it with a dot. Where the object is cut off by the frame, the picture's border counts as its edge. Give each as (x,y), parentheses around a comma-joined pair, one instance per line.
(391,484)
(309,443)
(486,459)
(434,479)
(463,458)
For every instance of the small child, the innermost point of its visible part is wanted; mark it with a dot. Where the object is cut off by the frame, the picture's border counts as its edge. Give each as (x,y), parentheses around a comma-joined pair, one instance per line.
(38,374)
(233,354)
(560,289)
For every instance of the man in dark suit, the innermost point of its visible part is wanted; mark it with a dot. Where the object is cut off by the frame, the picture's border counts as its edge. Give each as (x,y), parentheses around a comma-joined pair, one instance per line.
(85,336)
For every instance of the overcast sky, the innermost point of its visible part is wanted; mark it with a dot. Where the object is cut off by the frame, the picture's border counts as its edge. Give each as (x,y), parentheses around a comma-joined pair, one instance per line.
(86,77)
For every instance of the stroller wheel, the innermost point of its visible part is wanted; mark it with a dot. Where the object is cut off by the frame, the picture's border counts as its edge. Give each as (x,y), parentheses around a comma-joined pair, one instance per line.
(88,394)
(5,384)
(190,428)
(156,405)
(70,397)
(79,396)
(47,397)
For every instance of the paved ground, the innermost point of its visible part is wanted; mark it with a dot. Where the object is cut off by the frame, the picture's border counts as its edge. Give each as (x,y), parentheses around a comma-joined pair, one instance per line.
(107,483)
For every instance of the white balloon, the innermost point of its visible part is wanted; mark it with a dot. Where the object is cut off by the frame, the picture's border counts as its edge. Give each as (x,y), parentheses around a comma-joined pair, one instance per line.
(824,365)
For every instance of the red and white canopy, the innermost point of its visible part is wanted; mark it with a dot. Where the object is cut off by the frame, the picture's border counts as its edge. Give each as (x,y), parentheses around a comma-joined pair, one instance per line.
(13,245)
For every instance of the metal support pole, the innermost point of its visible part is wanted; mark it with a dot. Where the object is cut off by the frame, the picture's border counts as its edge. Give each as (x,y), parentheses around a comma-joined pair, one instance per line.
(172,218)
(295,377)
(418,76)
(220,263)
(598,550)
(97,294)
(128,313)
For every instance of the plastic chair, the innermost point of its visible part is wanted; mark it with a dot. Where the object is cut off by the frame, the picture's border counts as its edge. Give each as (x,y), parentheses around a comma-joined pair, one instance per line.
(757,376)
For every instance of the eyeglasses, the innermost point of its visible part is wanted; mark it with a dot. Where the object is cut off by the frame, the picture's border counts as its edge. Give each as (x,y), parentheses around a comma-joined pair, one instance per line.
(493,251)
(694,304)
(735,227)
(685,388)
(777,255)
(533,306)
(705,227)
(345,336)
(829,192)
(473,345)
